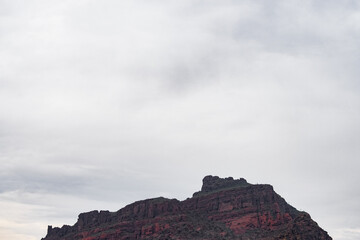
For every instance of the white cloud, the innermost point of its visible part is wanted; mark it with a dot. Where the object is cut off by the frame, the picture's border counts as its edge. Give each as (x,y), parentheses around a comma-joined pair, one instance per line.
(347,233)
(102,97)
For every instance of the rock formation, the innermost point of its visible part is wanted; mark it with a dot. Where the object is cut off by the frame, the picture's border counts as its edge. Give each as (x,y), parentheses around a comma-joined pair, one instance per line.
(223,209)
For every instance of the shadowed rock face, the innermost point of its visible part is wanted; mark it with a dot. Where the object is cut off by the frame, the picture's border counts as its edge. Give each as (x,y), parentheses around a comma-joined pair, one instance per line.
(223,209)
(214,183)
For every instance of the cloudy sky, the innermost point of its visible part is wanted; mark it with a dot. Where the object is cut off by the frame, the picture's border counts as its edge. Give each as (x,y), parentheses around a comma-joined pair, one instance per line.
(106,102)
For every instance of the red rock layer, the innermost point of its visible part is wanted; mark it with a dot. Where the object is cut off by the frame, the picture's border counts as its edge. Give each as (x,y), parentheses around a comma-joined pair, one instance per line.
(224,209)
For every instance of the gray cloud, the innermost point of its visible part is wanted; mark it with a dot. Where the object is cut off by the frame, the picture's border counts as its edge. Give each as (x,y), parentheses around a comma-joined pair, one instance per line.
(102,104)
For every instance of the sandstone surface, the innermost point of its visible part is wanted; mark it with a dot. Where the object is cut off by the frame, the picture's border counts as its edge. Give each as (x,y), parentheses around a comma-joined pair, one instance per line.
(225,208)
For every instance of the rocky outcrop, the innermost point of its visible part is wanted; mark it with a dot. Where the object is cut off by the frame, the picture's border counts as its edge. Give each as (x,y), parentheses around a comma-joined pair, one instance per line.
(214,183)
(223,209)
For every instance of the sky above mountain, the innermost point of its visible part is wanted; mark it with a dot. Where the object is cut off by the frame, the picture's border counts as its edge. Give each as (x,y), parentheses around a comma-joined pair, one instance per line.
(103,103)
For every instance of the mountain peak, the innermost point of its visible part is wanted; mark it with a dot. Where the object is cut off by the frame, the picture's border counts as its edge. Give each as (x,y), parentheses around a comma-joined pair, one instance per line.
(214,183)
(225,208)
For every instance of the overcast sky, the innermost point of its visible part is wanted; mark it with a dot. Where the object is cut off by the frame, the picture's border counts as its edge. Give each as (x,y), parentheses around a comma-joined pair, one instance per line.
(103,103)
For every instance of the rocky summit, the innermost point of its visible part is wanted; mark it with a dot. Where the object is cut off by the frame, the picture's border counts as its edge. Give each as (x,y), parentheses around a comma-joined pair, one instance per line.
(225,208)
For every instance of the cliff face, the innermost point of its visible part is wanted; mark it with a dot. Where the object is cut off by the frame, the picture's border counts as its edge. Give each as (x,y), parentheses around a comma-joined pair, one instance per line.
(223,209)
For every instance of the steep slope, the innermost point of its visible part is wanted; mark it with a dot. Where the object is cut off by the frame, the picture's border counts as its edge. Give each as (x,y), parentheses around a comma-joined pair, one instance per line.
(223,209)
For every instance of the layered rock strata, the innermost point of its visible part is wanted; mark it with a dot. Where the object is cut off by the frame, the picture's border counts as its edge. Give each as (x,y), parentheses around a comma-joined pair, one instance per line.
(223,209)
